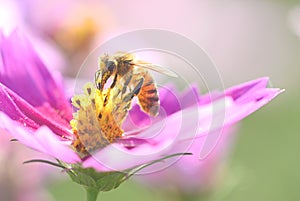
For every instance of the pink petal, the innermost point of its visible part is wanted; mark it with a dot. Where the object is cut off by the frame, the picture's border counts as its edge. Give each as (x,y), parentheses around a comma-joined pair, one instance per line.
(163,137)
(246,99)
(42,140)
(23,72)
(242,90)
(236,92)
(170,102)
(190,97)
(18,109)
(160,138)
(251,102)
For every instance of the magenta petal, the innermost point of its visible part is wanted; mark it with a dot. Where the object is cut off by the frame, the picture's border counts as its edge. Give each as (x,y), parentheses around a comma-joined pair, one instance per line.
(242,90)
(115,157)
(18,109)
(54,147)
(251,103)
(9,107)
(238,107)
(43,140)
(236,92)
(163,137)
(169,103)
(158,140)
(190,97)
(136,119)
(169,100)
(23,72)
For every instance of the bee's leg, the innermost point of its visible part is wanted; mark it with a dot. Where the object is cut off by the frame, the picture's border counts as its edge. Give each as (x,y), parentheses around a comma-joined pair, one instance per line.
(97,79)
(111,87)
(135,91)
(114,81)
(138,87)
(101,79)
(126,83)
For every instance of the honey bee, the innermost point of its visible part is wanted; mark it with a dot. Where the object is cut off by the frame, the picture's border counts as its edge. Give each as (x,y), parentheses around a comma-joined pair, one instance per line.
(131,78)
(103,108)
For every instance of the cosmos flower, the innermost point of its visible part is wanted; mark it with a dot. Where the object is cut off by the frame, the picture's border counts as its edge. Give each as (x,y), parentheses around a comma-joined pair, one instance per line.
(76,27)
(36,112)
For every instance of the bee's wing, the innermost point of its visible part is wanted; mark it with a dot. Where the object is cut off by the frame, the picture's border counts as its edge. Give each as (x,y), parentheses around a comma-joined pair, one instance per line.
(154,67)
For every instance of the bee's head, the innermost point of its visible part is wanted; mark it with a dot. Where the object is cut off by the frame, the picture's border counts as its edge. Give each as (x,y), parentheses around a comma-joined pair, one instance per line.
(108,67)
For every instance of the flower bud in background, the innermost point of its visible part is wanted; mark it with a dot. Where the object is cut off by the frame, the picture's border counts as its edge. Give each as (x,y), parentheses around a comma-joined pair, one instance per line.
(75,26)
(294,20)
(245,38)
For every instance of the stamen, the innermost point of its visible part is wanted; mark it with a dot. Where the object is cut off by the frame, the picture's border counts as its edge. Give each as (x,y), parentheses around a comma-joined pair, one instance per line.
(93,124)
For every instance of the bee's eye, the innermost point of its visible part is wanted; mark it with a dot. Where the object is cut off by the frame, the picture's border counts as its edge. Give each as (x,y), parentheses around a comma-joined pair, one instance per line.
(128,61)
(110,65)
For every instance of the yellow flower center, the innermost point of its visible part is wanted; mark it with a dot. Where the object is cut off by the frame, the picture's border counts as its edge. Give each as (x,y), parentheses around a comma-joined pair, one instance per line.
(93,124)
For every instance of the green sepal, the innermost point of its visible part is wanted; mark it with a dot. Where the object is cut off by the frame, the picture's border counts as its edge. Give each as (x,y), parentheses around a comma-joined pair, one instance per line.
(94,181)
(83,176)
(106,181)
(111,181)
(101,181)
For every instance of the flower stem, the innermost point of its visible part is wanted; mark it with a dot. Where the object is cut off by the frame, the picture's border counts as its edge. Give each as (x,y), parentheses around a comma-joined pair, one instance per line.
(91,194)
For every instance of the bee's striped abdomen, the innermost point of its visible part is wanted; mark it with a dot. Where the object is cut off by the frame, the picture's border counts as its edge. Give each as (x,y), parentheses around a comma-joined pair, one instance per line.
(148,96)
